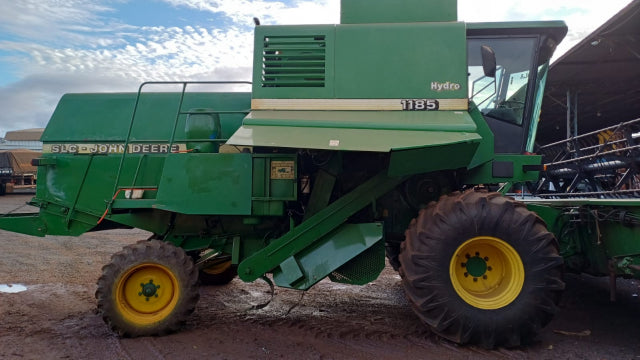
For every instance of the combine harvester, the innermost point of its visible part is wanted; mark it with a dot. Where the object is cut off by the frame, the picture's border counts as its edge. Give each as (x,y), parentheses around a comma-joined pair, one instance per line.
(357,140)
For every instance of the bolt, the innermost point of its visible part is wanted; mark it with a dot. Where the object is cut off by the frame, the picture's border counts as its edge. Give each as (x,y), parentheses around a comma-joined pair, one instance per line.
(464,265)
(477,254)
(466,274)
(475,279)
(483,276)
(486,258)
(468,256)
(489,268)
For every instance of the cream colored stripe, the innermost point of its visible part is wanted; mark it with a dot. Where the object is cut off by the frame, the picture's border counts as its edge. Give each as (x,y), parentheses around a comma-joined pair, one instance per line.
(347,104)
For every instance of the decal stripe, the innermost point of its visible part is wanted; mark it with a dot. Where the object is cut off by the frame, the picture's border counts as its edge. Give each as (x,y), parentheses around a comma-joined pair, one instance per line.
(348,104)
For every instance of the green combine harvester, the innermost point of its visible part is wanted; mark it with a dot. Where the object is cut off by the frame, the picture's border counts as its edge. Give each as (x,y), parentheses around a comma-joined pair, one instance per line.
(357,140)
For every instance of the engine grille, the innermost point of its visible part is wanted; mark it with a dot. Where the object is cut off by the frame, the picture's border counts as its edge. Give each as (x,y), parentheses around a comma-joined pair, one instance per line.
(294,61)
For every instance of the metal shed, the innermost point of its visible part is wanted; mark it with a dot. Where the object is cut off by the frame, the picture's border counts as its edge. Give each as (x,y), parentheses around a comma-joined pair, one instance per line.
(597,83)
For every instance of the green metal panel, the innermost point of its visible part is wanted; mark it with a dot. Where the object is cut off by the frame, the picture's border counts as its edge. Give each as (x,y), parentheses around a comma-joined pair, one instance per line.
(380,120)
(397,11)
(85,182)
(306,234)
(361,61)
(106,117)
(274,182)
(363,268)
(485,174)
(485,150)
(206,184)
(289,59)
(345,139)
(380,131)
(432,158)
(30,224)
(326,255)
(391,61)
(275,177)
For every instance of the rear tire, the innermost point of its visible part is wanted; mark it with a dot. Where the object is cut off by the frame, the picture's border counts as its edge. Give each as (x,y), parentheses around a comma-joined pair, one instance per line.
(148,288)
(481,268)
(218,274)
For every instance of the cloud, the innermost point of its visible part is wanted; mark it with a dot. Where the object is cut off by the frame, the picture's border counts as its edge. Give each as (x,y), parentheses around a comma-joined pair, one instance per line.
(270,12)
(55,22)
(57,47)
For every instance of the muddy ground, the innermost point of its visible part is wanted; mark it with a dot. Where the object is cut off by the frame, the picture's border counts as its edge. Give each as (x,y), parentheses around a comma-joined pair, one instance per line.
(55,317)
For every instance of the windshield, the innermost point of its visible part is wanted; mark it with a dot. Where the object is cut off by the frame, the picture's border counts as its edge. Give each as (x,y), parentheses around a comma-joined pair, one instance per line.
(502,97)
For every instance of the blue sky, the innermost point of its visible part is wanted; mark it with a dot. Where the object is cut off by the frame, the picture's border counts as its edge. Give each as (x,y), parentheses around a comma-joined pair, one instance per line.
(52,47)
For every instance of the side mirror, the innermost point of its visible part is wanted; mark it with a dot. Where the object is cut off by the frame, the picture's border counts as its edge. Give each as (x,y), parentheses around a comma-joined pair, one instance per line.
(488,61)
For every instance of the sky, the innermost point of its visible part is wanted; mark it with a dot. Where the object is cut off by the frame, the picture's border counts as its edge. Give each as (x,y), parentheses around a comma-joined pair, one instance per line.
(52,47)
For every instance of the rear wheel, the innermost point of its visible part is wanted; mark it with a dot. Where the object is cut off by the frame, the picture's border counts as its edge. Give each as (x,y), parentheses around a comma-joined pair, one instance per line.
(220,273)
(148,288)
(481,268)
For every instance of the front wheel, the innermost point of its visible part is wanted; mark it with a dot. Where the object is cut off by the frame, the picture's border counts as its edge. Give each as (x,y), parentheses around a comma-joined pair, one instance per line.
(148,288)
(481,268)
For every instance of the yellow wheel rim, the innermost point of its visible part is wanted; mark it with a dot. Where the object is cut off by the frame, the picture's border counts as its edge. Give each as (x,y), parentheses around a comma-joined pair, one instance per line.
(147,293)
(218,268)
(486,272)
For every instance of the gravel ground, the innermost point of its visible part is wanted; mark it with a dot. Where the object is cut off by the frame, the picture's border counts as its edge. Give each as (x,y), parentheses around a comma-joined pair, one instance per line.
(55,317)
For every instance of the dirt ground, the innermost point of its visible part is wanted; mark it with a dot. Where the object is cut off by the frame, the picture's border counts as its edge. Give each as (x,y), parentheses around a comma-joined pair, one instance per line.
(55,317)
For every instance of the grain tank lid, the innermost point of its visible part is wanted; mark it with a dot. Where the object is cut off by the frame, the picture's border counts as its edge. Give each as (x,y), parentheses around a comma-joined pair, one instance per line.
(377,131)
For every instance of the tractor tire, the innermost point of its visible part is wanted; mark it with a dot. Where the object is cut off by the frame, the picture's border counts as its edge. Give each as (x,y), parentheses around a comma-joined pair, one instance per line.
(218,274)
(148,288)
(480,268)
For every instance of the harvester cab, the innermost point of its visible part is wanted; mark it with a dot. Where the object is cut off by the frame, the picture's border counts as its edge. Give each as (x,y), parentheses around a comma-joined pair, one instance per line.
(509,92)
(350,132)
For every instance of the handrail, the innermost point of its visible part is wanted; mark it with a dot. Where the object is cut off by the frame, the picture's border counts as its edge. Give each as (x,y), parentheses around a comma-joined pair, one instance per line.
(184,84)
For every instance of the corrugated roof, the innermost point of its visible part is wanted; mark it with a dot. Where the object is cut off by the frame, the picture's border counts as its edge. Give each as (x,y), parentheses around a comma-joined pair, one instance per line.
(604,69)
(24,135)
